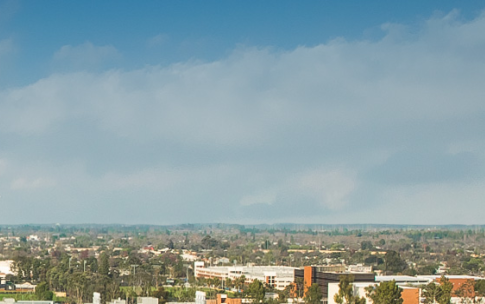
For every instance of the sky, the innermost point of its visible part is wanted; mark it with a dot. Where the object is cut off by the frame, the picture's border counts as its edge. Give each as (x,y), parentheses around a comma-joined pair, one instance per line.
(171,112)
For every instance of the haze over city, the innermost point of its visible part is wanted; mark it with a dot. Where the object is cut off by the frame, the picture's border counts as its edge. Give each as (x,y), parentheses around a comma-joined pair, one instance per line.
(324,112)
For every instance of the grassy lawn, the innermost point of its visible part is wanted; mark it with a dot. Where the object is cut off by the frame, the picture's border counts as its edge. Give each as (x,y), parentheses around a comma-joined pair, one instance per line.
(26,296)
(17,296)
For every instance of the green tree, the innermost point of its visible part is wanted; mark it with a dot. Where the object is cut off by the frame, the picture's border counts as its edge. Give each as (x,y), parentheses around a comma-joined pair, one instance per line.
(161,294)
(393,262)
(366,245)
(285,294)
(428,269)
(239,282)
(466,292)
(313,295)
(103,268)
(256,291)
(42,292)
(217,282)
(385,293)
(474,265)
(298,288)
(431,292)
(446,288)
(208,242)
(228,283)
(345,293)
(480,288)
(438,293)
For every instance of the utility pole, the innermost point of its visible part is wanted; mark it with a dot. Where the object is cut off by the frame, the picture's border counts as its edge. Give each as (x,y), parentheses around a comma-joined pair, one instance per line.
(134,273)
(186,266)
(134,269)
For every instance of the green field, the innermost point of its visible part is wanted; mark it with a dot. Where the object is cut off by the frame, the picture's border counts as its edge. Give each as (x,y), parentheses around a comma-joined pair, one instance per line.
(17,296)
(25,296)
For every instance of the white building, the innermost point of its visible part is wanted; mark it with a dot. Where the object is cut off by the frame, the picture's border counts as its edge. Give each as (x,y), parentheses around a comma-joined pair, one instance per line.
(405,280)
(359,268)
(409,294)
(200,297)
(117,301)
(146,300)
(5,267)
(277,276)
(96,298)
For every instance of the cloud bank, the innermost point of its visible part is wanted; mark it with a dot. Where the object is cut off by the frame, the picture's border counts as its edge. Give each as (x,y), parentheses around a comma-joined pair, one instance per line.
(385,131)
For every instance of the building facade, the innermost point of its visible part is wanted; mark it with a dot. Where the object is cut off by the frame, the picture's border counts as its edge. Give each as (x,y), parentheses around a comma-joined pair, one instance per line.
(278,277)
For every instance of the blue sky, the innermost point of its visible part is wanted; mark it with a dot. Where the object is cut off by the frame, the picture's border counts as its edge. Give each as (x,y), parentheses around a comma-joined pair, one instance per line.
(164,32)
(251,112)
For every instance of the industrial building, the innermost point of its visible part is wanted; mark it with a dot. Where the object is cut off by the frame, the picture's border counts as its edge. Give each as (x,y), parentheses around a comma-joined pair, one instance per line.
(319,275)
(277,276)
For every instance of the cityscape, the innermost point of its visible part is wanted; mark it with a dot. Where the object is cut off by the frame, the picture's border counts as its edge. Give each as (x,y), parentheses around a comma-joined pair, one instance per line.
(223,263)
(242,152)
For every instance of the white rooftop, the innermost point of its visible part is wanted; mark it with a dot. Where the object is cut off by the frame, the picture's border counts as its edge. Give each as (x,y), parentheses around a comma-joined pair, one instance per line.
(402,278)
(434,277)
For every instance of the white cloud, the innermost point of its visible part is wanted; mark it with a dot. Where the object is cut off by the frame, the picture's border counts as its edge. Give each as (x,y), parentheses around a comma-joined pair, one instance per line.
(26,184)
(158,40)
(85,56)
(32,109)
(146,179)
(262,198)
(248,97)
(3,166)
(328,188)
(257,127)
(331,189)
(443,203)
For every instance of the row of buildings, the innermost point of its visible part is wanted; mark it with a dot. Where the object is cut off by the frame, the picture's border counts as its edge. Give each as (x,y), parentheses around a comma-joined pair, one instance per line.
(328,278)
(276,276)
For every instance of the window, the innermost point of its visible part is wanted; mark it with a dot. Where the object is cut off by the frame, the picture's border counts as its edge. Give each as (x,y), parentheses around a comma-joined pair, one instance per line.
(271,281)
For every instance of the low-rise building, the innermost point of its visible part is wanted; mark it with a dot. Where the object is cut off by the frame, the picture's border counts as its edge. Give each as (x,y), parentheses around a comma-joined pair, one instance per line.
(277,276)
(314,275)
(223,299)
(147,300)
(409,294)
(117,301)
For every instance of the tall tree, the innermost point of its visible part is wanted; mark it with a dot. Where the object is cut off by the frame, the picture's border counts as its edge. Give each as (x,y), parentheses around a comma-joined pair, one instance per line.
(438,293)
(228,283)
(239,282)
(431,292)
(446,289)
(385,293)
(479,288)
(216,282)
(103,268)
(256,291)
(161,294)
(313,294)
(345,293)
(466,292)
(42,292)
(298,288)
(285,294)
(393,262)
